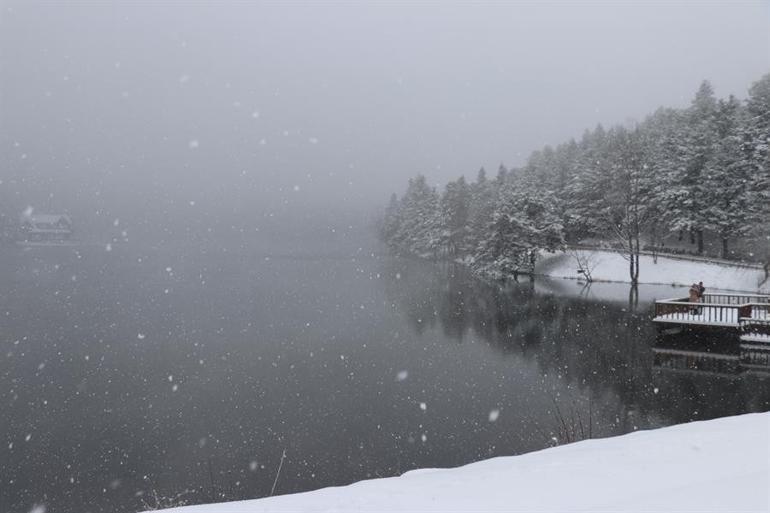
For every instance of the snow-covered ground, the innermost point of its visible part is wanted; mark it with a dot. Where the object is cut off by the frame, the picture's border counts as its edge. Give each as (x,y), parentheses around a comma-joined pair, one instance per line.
(606,290)
(717,465)
(611,266)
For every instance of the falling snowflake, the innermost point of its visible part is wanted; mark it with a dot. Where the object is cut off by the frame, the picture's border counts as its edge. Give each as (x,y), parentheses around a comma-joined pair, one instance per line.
(193,144)
(494,415)
(402,375)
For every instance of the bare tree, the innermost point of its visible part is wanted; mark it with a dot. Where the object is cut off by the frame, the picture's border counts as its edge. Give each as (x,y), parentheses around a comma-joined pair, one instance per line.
(586,262)
(627,201)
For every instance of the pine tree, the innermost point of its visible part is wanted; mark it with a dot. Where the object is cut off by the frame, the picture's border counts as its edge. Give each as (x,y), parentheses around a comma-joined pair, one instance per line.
(455,204)
(727,178)
(390,222)
(523,223)
(661,145)
(418,227)
(696,144)
(481,209)
(583,194)
(756,136)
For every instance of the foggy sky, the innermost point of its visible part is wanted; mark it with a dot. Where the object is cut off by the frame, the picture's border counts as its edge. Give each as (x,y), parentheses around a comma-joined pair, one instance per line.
(135,105)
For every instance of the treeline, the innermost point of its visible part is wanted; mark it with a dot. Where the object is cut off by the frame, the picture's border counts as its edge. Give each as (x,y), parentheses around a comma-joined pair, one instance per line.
(702,169)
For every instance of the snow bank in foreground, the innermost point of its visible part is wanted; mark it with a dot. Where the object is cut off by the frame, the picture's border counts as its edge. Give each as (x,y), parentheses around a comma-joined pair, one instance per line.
(611,266)
(718,465)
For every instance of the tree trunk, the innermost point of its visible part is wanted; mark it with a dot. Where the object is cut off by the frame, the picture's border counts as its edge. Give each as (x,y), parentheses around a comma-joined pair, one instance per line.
(636,269)
(700,242)
(633,297)
(636,255)
(724,247)
(631,262)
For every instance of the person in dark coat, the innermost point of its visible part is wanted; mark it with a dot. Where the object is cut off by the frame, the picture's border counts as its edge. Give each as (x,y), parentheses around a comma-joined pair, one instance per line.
(694,297)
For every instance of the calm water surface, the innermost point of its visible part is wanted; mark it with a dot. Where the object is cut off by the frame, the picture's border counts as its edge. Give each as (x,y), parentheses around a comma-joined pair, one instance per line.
(150,373)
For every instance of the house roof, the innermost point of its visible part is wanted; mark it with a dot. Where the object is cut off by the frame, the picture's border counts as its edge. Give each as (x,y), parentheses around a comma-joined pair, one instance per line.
(48,223)
(46,218)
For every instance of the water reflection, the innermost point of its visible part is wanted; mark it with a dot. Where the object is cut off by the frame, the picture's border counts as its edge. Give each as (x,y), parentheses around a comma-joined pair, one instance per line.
(605,344)
(187,372)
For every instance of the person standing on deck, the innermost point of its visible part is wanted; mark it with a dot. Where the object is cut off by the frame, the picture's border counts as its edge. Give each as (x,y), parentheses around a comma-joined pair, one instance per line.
(701,290)
(695,296)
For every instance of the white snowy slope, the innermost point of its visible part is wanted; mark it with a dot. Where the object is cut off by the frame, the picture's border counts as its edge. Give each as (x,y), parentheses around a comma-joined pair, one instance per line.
(717,465)
(610,266)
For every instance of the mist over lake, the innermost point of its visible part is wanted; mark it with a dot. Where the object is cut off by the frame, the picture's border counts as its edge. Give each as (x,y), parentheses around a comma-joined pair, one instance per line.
(252,249)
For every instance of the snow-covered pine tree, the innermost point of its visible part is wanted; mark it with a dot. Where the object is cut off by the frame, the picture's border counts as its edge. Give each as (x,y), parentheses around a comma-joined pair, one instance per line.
(583,194)
(455,204)
(523,223)
(696,142)
(418,227)
(482,205)
(730,202)
(661,145)
(391,219)
(757,144)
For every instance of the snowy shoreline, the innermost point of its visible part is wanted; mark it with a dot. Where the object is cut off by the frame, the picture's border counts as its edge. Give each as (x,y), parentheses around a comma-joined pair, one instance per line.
(610,266)
(715,465)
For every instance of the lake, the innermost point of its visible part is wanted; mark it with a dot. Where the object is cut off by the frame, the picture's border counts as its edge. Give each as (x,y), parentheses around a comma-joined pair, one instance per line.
(138,376)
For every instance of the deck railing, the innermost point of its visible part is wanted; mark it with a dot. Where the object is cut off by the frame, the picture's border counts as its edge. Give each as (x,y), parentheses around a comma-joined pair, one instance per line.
(716,309)
(734,299)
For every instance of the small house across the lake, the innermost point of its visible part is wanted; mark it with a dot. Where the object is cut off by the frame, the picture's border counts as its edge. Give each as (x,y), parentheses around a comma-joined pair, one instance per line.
(747,315)
(45,227)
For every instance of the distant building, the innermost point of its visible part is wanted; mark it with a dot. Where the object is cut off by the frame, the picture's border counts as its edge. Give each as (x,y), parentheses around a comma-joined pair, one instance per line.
(39,227)
(7,228)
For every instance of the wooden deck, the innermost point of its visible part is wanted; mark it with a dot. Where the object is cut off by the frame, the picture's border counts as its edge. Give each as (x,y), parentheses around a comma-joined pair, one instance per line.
(747,314)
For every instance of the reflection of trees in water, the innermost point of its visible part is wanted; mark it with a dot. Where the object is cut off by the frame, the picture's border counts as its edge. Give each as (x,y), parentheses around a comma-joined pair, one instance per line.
(603,347)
